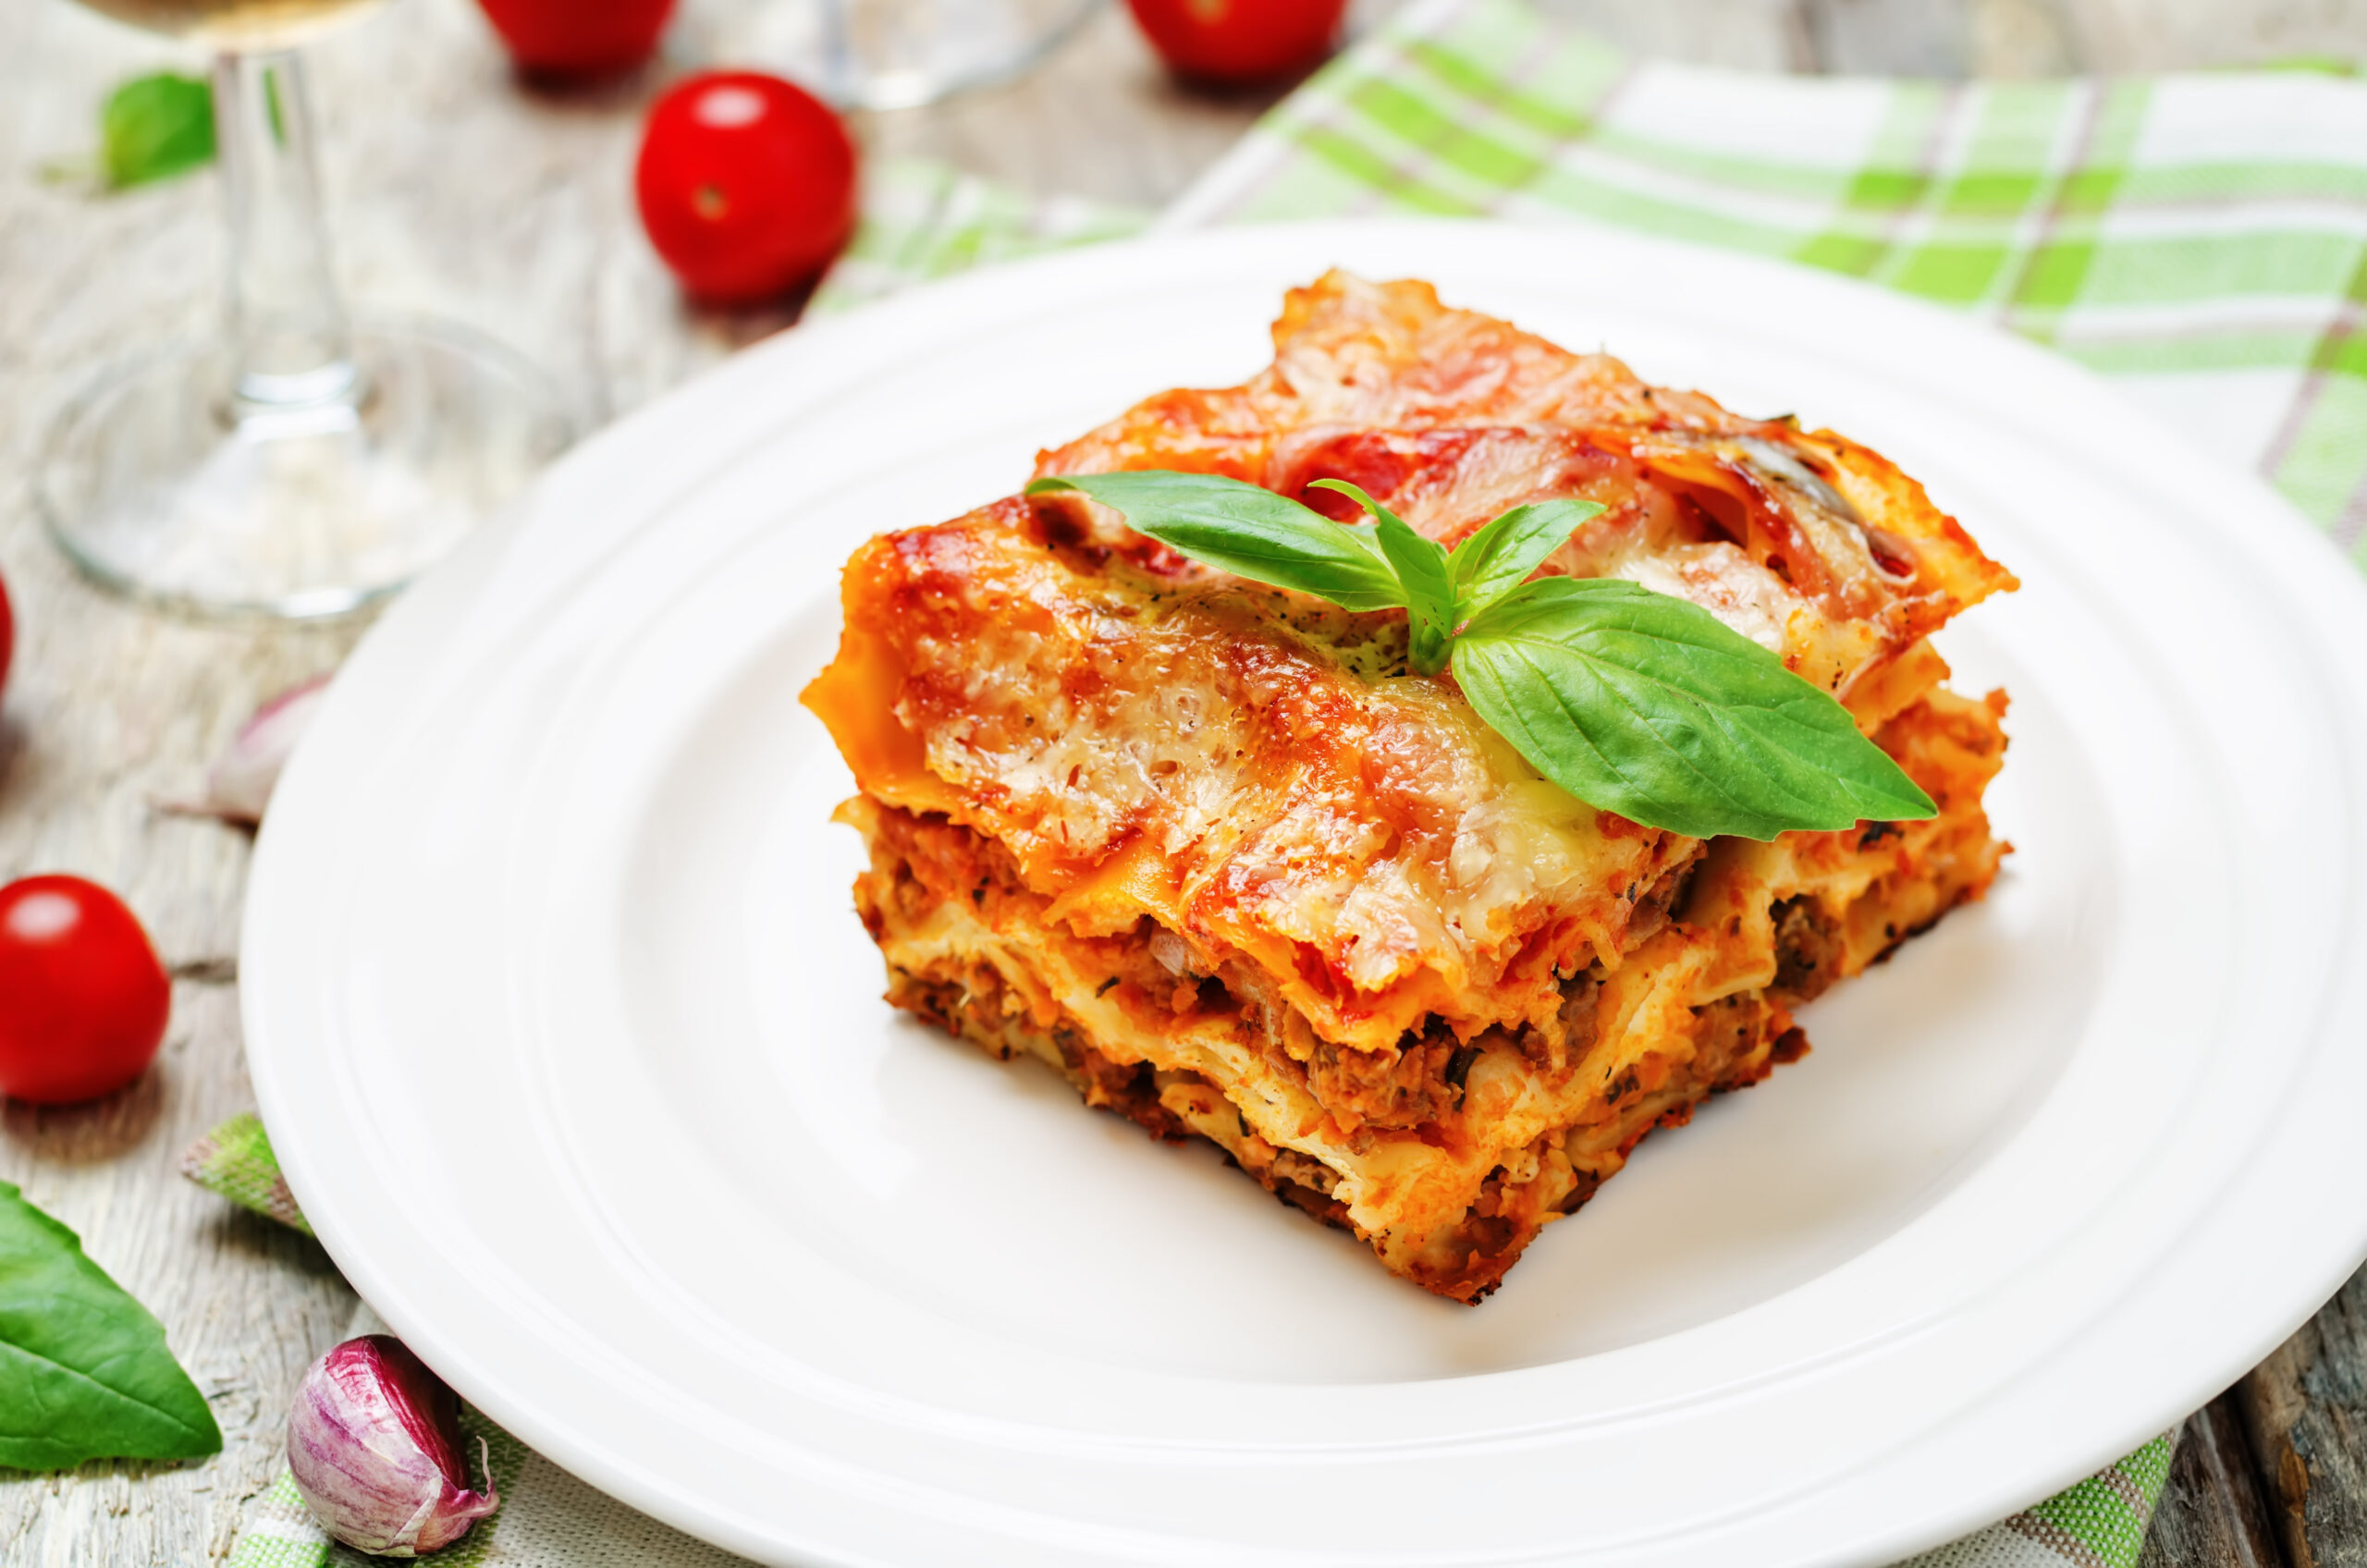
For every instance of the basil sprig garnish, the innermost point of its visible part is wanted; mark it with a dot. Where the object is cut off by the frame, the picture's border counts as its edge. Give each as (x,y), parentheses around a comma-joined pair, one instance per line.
(1635,702)
(84,1371)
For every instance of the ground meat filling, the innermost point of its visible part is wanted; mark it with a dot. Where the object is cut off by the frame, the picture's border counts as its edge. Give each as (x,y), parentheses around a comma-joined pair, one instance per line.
(1419,1079)
(1809,946)
(930,875)
(1655,906)
(1393,1090)
(1416,1083)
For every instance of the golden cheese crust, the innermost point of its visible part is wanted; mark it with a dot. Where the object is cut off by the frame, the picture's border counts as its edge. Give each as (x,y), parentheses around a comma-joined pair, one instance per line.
(1206,849)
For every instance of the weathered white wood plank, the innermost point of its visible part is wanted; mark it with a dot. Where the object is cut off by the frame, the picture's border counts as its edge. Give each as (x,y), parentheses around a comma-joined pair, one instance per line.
(2305,1411)
(1752,35)
(1891,37)
(2158,35)
(2023,38)
(2211,1511)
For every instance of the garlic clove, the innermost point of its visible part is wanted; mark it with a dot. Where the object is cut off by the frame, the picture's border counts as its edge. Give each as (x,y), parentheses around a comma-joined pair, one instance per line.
(240,783)
(374,1444)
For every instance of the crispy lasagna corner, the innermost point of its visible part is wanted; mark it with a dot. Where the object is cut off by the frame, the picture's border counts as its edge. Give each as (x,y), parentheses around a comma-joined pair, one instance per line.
(1204,849)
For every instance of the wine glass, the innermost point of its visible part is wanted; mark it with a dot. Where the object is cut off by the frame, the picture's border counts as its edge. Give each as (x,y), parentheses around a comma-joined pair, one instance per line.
(300,464)
(896,54)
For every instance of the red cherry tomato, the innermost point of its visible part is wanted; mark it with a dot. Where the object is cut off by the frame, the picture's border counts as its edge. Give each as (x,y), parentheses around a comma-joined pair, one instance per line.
(83,999)
(746,185)
(578,38)
(7,637)
(1239,40)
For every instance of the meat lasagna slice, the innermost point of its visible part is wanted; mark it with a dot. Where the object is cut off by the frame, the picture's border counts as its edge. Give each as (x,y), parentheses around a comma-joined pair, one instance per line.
(1202,847)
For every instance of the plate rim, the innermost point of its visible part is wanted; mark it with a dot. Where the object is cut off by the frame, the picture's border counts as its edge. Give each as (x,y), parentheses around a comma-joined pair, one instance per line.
(454,583)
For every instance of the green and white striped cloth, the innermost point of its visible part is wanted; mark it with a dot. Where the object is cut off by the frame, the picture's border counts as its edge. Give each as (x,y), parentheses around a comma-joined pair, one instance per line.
(2202,240)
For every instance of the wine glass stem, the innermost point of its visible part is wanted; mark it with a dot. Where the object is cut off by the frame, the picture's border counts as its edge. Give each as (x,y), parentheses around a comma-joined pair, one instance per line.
(287,322)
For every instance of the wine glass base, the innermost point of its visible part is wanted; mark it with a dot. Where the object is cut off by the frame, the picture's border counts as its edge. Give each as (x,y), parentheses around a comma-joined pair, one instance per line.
(902,53)
(158,485)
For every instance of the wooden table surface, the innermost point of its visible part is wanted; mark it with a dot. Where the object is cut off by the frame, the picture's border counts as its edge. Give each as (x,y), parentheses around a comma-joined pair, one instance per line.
(452,189)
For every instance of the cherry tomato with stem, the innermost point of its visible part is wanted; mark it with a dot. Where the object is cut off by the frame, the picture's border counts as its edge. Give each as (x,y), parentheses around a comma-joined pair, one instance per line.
(83,1001)
(1239,41)
(578,38)
(746,185)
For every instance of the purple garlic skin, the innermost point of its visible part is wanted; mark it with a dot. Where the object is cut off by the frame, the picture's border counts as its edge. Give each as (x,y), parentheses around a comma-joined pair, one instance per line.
(373,1442)
(239,785)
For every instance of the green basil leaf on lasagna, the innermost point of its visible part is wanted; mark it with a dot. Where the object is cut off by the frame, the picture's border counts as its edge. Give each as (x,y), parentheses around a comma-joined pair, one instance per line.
(1498,558)
(1246,531)
(1422,572)
(1648,706)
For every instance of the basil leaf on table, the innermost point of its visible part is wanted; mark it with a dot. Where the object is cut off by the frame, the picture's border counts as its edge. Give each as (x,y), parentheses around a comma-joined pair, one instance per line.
(1499,558)
(154,126)
(84,1371)
(1650,706)
(1422,572)
(1249,531)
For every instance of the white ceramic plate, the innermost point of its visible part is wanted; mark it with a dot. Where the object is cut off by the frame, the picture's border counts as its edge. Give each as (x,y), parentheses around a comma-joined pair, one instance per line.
(573,1051)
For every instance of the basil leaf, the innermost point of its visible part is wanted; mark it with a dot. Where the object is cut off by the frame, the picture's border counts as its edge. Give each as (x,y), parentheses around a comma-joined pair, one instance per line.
(1498,558)
(1421,570)
(1649,706)
(154,126)
(1246,531)
(1633,701)
(84,1373)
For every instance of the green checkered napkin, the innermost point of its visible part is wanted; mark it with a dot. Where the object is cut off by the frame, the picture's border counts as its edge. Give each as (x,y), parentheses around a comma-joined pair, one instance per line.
(2202,240)
(234,1160)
